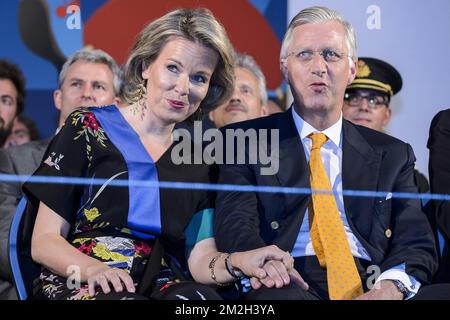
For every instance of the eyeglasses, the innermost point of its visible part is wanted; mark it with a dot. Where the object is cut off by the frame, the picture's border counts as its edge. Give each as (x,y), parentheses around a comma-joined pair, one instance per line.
(329,55)
(374,101)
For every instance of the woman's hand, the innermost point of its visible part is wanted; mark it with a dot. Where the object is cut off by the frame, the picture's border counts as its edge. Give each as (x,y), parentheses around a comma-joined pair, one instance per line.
(278,280)
(50,249)
(269,266)
(251,262)
(103,277)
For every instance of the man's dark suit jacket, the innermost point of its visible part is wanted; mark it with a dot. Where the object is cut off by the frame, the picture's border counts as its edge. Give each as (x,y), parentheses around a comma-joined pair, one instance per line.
(393,231)
(439,169)
(20,160)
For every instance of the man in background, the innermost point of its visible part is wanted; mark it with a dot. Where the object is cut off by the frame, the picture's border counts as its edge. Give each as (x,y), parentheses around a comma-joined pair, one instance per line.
(12,97)
(249,99)
(90,77)
(367,99)
(23,131)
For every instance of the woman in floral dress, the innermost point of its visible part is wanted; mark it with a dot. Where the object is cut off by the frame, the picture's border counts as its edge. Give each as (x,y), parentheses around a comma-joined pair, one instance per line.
(102,239)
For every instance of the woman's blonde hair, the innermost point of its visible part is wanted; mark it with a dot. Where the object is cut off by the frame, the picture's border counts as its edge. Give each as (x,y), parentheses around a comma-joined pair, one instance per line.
(197,25)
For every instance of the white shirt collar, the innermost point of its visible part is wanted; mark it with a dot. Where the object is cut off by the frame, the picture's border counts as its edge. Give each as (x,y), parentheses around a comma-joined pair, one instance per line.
(304,129)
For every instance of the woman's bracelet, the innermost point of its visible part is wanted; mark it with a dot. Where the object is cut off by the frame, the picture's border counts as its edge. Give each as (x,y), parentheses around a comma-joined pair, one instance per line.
(234,272)
(213,275)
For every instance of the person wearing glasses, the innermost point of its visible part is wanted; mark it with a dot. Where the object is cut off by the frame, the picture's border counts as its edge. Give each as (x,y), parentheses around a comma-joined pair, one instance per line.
(367,99)
(345,246)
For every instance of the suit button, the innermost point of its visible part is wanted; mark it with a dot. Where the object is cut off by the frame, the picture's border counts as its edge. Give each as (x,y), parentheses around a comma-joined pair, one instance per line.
(274,225)
(388,233)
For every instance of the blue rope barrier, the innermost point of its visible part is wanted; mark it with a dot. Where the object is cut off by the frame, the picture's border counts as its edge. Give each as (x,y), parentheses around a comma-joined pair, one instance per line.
(216,187)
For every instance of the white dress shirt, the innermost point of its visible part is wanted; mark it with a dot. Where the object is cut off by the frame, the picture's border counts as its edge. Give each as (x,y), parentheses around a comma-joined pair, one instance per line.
(331,153)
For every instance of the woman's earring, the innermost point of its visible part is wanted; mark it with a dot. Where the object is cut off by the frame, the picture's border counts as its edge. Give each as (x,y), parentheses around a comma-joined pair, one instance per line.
(134,108)
(141,99)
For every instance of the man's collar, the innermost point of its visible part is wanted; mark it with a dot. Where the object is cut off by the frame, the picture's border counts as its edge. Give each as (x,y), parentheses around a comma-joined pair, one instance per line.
(304,129)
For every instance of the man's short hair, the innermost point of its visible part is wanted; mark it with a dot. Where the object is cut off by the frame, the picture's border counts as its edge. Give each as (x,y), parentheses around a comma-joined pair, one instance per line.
(319,15)
(11,71)
(247,62)
(93,56)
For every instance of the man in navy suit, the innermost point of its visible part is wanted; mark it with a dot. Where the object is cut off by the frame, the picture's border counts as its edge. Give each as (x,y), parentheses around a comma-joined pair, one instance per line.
(439,170)
(389,238)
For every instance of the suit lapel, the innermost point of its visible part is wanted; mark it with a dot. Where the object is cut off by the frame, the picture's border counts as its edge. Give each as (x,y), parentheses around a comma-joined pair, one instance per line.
(293,172)
(360,169)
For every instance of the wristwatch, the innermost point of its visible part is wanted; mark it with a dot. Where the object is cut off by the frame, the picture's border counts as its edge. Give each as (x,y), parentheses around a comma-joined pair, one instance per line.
(401,287)
(234,272)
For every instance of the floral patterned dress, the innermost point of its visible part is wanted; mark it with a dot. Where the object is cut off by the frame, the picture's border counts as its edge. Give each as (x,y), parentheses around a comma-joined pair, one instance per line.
(113,218)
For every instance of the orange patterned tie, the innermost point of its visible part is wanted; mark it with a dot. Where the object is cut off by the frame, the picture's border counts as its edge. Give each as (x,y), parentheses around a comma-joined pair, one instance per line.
(327,231)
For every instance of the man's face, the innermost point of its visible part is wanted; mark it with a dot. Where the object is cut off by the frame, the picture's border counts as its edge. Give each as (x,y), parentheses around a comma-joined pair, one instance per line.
(245,103)
(318,85)
(86,84)
(8,108)
(367,108)
(19,134)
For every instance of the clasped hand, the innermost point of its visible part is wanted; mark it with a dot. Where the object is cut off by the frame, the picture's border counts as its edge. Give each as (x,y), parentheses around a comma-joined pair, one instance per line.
(269,266)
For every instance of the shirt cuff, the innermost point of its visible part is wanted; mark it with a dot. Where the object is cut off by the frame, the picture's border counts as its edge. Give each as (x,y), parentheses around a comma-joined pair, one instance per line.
(398,273)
